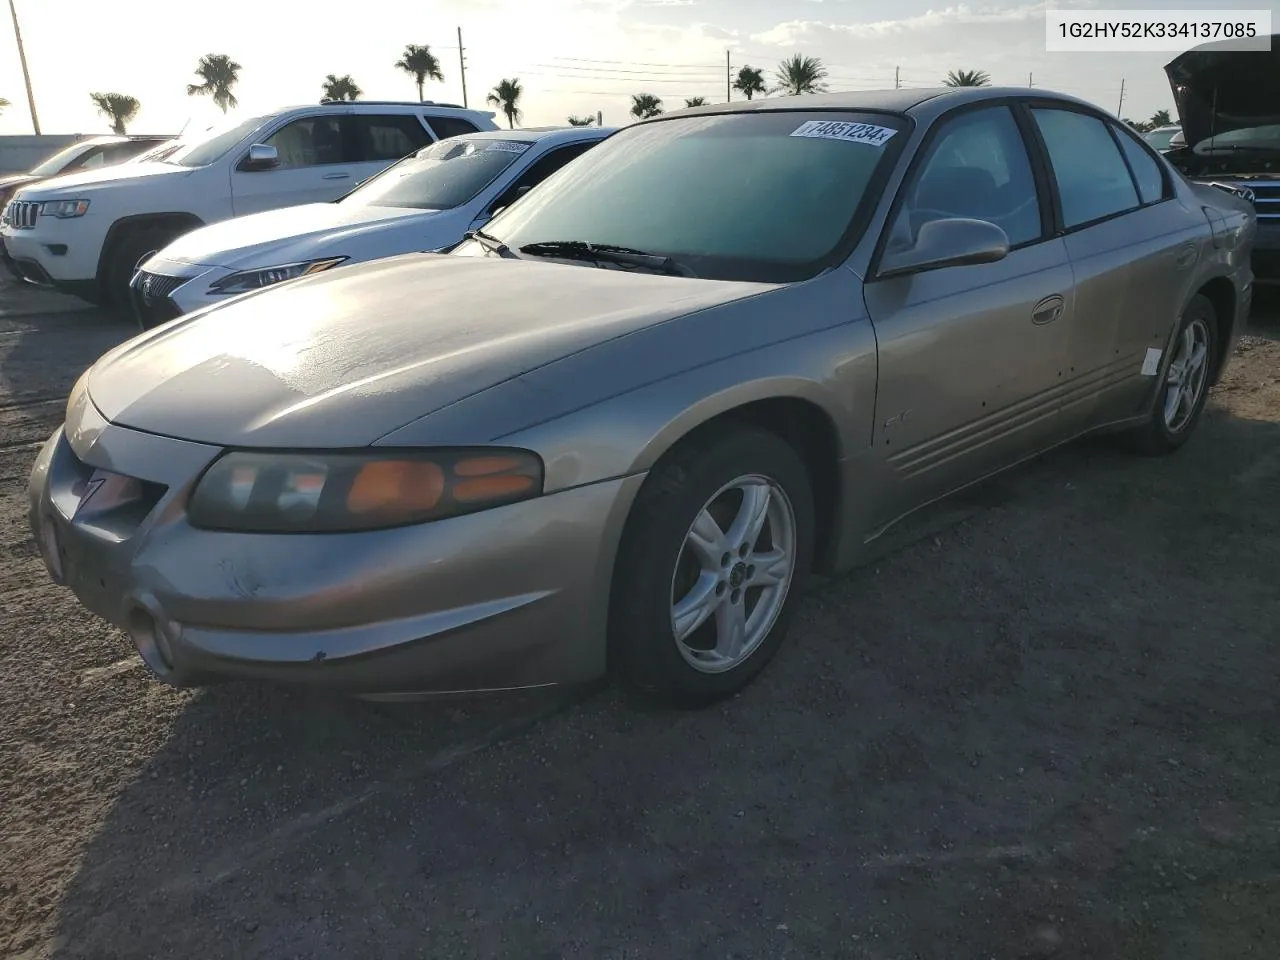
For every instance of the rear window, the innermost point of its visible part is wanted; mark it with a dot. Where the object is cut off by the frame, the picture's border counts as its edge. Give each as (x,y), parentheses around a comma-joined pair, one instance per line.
(451,126)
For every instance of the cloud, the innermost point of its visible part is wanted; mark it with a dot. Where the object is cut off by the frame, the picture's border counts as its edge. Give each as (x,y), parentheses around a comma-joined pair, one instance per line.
(793,31)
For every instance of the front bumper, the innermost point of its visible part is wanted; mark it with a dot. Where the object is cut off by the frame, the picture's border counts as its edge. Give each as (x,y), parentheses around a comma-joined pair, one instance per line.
(54,253)
(506,598)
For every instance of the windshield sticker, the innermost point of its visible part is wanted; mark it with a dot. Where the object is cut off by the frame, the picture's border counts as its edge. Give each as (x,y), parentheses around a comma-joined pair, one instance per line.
(507,146)
(844,130)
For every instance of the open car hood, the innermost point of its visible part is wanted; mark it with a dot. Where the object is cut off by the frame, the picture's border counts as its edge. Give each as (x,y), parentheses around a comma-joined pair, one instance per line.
(1219,90)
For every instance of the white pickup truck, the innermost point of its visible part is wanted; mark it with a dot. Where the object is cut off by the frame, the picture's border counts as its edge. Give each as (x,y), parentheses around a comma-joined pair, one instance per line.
(86,233)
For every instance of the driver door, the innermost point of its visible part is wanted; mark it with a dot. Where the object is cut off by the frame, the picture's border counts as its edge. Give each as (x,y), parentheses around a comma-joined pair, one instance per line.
(971,357)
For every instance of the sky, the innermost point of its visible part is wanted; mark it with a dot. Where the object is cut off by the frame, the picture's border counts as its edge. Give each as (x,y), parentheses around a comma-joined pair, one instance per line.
(571,56)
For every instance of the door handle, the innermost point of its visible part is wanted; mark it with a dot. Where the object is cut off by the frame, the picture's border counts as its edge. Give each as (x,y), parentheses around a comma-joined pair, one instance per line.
(1048,310)
(336,176)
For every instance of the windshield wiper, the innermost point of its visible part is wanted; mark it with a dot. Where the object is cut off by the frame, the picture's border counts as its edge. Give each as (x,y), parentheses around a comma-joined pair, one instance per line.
(602,253)
(490,243)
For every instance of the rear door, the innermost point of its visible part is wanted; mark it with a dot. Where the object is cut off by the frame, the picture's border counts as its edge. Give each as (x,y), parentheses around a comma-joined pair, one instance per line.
(971,357)
(1132,252)
(315,166)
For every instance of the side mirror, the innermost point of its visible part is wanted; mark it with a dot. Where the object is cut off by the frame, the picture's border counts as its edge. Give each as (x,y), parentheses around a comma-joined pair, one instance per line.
(261,156)
(954,242)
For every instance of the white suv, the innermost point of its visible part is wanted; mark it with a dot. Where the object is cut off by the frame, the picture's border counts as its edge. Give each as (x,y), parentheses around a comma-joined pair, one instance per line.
(86,233)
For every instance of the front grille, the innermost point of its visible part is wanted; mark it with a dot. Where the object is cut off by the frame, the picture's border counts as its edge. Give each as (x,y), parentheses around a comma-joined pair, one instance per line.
(151,303)
(156,286)
(21,214)
(1266,197)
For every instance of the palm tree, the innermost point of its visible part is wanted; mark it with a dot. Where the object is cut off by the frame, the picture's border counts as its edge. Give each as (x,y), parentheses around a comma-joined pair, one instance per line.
(506,97)
(340,88)
(3,103)
(800,74)
(421,63)
(219,74)
(967,78)
(119,108)
(750,82)
(1160,119)
(577,121)
(695,101)
(644,105)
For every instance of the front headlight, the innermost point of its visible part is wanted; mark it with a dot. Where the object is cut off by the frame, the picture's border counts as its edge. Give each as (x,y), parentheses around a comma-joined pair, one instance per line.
(256,279)
(64,209)
(333,492)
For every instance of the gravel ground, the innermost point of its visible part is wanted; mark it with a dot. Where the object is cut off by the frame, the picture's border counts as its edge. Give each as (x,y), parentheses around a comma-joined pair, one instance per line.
(1045,724)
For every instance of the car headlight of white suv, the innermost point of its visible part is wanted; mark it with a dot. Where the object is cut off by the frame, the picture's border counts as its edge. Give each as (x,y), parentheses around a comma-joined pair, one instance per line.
(245,280)
(64,209)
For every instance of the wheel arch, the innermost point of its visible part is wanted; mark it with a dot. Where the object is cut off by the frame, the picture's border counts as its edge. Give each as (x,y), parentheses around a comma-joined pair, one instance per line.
(1220,292)
(126,225)
(796,410)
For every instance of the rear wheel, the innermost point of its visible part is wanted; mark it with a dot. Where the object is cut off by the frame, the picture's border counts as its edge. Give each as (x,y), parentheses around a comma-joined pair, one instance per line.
(1181,397)
(712,562)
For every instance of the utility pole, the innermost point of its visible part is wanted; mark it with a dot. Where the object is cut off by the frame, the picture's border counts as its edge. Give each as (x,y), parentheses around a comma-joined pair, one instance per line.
(897,80)
(599,118)
(1030,82)
(728,83)
(462,66)
(1121,104)
(26,74)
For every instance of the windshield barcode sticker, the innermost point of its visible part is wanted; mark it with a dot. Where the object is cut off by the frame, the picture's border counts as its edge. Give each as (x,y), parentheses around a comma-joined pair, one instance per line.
(508,146)
(844,130)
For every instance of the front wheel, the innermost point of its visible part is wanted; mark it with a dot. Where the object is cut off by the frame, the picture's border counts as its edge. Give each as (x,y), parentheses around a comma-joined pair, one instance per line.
(1180,399)
(714,555)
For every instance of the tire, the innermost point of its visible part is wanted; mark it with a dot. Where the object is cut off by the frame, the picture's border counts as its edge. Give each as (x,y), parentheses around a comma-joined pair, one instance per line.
(713,473)
(1182,393)
(126,255)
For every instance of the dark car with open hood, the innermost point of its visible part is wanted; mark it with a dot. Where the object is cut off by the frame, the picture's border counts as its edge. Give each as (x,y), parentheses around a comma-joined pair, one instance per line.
(1229,104)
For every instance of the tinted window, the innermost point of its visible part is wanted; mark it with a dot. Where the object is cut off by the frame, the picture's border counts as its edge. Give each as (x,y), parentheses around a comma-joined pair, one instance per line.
(89,160)
(444,175)
(63,160)
(309,142)
(451,126)
(380,138)
(1146,172)
(1093,180)
(761,196)
(539,170)
(976,167)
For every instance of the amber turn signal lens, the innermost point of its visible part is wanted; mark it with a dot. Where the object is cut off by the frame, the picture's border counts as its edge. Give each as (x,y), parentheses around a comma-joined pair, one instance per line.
(491,488)
(414,486)
(482,466)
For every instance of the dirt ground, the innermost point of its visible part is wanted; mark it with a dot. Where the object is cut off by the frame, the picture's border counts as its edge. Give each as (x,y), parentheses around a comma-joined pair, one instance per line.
(1045,726)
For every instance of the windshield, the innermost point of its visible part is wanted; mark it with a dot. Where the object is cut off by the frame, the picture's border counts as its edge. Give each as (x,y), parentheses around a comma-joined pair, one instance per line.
(1262,138)
(59,160)
(1159,139)
(444,175)
(763,196)
(204,147)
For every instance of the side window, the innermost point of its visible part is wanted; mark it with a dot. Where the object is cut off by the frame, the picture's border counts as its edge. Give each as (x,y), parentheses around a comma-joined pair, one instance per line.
(89,160)
(976,167)
(1093,179)
(1146,172)
(446,127)
(309,142)
(539,170)
(381,138)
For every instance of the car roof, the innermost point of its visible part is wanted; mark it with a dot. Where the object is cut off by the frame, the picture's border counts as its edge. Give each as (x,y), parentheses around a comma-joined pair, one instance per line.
(363,106)
(923,103)
(539,134)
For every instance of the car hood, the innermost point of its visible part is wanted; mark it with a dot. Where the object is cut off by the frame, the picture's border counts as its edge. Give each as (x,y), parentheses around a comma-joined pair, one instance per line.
(1219,90)
(242,241)
(341,359)
(75,184)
